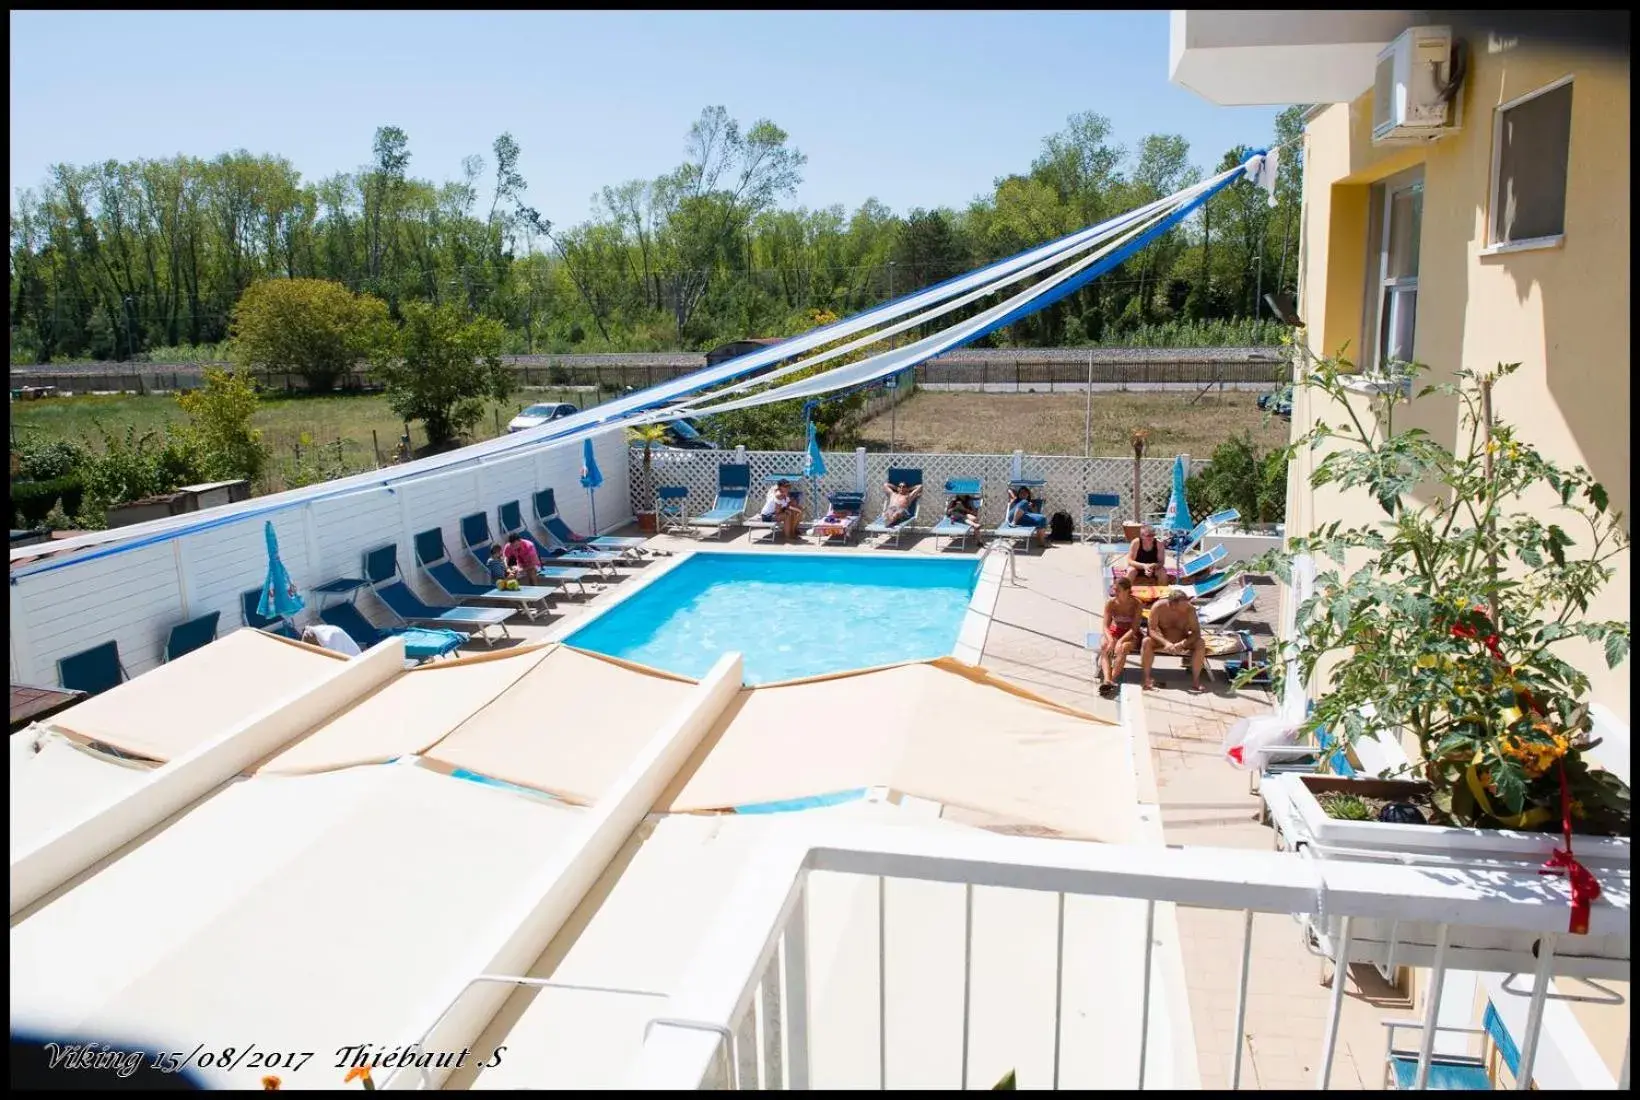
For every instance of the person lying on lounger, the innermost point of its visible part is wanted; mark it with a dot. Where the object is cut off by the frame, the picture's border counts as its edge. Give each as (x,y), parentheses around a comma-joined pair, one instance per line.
(1021,515)
(962,510)
(898,508)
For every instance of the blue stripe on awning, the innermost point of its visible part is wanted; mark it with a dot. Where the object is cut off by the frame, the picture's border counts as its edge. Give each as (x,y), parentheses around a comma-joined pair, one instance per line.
(812,802)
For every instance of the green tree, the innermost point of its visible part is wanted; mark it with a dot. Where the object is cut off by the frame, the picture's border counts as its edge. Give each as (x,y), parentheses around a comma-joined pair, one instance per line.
(442,367)
(312,327)
(219,426)
(1239,477)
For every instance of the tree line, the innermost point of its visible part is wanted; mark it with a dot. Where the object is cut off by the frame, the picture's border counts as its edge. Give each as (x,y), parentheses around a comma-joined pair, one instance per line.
(116,260)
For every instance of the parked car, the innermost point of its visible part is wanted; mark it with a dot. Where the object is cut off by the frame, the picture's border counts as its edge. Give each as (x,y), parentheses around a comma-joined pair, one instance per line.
(537,415)
(1277,402)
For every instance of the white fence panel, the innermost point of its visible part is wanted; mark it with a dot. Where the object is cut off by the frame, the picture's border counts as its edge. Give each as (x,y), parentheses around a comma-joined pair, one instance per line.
(133,598)
(501,482)
(225,562)
(345,528)
(1069,478)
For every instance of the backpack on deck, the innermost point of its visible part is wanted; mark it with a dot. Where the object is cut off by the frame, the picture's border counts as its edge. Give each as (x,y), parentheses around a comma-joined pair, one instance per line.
(1060,528)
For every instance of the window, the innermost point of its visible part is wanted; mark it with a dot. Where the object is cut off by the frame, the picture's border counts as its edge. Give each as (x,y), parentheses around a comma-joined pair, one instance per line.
(1531,144)
(1395,230)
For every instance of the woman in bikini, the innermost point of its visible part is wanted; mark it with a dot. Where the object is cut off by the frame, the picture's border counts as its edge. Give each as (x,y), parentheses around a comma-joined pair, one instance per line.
(1121,635)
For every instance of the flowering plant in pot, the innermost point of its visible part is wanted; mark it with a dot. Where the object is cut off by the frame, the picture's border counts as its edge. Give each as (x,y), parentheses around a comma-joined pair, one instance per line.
(1448,618)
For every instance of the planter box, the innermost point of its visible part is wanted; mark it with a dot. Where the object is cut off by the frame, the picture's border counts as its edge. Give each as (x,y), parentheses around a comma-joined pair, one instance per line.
(1391,943)
(1243,546)
(646,522)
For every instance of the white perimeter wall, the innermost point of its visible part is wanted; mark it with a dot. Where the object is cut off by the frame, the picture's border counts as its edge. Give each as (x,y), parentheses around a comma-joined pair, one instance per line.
(136,596)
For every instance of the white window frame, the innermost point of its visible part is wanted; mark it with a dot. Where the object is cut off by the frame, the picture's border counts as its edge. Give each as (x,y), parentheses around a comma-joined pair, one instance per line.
(1529,244)
(1380,287)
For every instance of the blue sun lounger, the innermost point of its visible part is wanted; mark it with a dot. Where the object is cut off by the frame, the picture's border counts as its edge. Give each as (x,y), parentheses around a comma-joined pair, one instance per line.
(546,514)
(381,572)
(420,643)
(794,482)
(191,635)
(248,602)
(734,483)
(436,563)
(948,528)
(93,670)
(880,526)
(509,520)
(475,538)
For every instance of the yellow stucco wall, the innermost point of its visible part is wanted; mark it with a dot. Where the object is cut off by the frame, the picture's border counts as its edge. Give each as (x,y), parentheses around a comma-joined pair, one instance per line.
(1562,313)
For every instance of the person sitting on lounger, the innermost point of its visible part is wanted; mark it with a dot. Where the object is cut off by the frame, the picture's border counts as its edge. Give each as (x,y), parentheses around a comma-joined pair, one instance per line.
(962,510)
(1174,629)
(1144,558)
(520,555)
(781,509)
(897,509)
(1122,613)
(1020,514)
(496,566)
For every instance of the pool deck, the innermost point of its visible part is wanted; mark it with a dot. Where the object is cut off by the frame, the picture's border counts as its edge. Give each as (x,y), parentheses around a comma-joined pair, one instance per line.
(1036,638)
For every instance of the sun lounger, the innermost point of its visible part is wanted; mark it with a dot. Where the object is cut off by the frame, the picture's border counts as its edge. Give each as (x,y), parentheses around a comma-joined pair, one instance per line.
(1189,541)
(248,603)
(1022,532)
(435,562)
(381,572)
(509,519)
(191,635)
(475,539)
(1227,607)
(1205,587)
(1201,565)
(954,529)
(734,483)
(546,514)
(880,525)
(93,670)
(420,643)
(846,526)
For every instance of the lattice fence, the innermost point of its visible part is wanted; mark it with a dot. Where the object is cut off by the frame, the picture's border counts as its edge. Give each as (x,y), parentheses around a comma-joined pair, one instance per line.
(1069,478)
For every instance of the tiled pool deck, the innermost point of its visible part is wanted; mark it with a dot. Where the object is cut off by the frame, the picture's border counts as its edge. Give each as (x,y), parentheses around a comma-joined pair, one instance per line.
(1041,618)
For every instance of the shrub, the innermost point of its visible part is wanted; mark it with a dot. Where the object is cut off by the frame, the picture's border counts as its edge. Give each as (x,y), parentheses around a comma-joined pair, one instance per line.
(1239,477)
(219,426)
(50,459)
(34,500)
(442,367)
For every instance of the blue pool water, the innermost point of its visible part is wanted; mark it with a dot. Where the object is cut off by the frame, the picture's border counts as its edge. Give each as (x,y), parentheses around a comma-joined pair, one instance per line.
(790,615)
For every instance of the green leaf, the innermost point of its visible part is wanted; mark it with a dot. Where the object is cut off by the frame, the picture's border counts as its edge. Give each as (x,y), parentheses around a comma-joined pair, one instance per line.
(1007,1082)
(1617,648)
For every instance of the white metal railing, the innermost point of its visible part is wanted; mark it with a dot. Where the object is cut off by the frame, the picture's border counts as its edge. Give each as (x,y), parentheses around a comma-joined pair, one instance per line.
(701,1039)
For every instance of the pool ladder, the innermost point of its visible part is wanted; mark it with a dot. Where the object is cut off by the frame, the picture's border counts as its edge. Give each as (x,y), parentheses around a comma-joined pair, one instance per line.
(1004,547)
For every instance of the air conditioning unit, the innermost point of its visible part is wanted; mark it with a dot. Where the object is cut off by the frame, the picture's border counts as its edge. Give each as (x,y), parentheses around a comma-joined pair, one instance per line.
(1415,89)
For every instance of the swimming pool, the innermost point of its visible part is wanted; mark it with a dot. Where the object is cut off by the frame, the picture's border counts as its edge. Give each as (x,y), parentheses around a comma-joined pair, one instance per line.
(790,615)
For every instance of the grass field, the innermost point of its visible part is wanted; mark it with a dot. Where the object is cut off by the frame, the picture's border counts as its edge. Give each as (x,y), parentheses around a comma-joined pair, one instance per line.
(308,437)
(999,423)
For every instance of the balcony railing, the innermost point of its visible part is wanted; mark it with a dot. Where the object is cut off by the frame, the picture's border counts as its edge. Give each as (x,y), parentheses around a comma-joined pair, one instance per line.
(743,1018)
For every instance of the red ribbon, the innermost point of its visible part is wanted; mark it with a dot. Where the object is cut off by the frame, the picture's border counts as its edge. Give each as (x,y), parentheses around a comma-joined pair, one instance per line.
(1585,888)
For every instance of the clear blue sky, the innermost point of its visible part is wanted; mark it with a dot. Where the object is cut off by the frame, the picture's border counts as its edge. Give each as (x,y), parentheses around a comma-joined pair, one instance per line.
(912,108)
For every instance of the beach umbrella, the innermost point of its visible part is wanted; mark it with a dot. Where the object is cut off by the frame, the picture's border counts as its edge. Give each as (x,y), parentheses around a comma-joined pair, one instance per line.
(814,466)
(1178,510)
(591,478)
(279,596)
